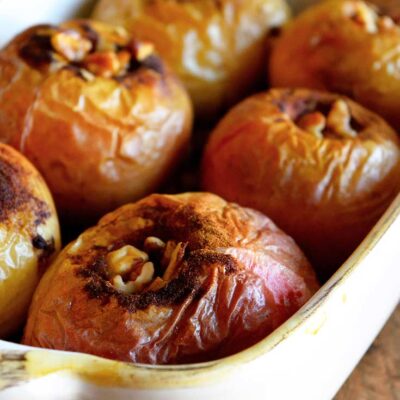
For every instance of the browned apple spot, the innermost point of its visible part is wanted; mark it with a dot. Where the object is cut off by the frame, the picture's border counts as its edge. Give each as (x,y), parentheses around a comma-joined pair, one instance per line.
(47,248)
(14,196)
(37,51)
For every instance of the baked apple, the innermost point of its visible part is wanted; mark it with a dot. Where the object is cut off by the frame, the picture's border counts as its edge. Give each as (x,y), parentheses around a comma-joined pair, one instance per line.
(29,236)
(321,166)
(346,46)
(99,114)
(217,48)
(171,279)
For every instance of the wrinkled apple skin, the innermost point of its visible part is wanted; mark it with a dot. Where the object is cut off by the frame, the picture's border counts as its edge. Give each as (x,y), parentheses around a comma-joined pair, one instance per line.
(240,279)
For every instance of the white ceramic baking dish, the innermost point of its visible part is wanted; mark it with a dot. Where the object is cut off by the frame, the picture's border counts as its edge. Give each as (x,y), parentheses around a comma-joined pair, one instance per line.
(309,357)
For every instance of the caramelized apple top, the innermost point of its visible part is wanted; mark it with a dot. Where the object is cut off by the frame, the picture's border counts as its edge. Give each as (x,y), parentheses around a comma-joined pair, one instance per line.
(89,48)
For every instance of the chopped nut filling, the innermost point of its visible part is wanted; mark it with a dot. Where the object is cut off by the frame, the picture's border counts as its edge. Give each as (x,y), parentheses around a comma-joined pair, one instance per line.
(167,254)
(124,259)
(153,244)
(88,76)
(124,59)
(339,120)
(385,23)
(131,271)
(175,260)
(134,286)
(108,56)
(336,122)
(142,50)
(314,123)
(71,45)
(105,64)
(367,16)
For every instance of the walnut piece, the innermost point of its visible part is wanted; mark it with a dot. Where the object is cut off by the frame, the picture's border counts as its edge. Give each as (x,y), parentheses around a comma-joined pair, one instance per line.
(105,64)
(71,45)
(364,15)
(142,50)
(88,76)
(153,243)
(175,260)
(314,123)
(339,120)
(386,23)
(124,58)
(130,268)
(124,259)
(131,287)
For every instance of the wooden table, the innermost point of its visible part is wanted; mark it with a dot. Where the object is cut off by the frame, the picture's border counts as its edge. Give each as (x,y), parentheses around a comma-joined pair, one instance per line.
(377,377)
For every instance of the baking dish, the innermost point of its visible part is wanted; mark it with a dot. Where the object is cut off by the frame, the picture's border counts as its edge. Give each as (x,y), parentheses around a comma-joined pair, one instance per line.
(308,357)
